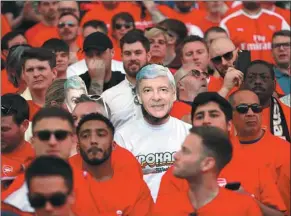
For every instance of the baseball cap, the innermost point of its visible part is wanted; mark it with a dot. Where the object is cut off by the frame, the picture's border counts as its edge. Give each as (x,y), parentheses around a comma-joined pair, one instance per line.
(98,41)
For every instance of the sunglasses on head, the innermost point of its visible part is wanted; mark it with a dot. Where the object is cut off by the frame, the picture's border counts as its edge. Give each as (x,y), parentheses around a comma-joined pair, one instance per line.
(45,135)
(118,26)
(39,201)
(7,109)
(68,23)
(244,108)
(218,59)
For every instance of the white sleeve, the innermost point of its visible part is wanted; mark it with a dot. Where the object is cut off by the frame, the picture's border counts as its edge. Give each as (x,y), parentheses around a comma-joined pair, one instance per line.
(285,25)
(119,140)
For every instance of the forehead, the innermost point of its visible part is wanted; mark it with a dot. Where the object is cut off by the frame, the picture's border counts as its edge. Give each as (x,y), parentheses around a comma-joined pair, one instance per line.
(87,108)
(36,62)
(52,124)
(220,47)
(75,92)
(68,4)
(193,141)
(7,120)
(247,97)
(155,82)
(94,124)
(68,18)
(279,39)
(52,184)
(194,45)
(208,106)
(215,35)
(259,69)
(133,46)
(158,37)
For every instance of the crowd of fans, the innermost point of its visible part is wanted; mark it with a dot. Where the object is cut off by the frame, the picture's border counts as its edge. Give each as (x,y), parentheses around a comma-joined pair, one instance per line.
(145,108)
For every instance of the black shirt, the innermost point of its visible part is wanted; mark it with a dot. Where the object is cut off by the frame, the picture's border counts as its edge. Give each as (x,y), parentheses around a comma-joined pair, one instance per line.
(116,78)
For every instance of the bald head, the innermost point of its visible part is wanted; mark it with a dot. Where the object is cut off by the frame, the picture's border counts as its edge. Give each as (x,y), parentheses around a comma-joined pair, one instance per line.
(221,46)
(69,6)
(243,96)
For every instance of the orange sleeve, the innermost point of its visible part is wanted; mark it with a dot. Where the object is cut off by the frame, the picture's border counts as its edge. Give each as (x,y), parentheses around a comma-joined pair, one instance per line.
(6,85)
(5,27)
(33,109)
(180,109)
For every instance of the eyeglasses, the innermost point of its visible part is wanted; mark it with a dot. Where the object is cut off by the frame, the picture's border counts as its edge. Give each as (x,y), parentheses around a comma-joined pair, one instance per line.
(279,45)
(118,26)
(7,110)
(38,201)
(244,108)
(218,59)
(45,135)
(196,73)
(68,23)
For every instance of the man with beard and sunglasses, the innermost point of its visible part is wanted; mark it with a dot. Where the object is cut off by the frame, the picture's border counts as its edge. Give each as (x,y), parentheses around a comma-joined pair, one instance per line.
(251,28)
(121,98)
(259,144)
(50,185)
(106,185)
(157,135)
(260,78)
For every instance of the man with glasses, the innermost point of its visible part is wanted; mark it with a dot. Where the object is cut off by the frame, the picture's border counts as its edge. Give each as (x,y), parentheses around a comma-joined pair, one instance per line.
(260,78)
(281,53)
(50,185)
(259,144)
(16,153)
(190,81)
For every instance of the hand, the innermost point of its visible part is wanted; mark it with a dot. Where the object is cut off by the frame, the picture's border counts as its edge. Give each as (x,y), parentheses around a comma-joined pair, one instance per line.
(96,68)
(233,77)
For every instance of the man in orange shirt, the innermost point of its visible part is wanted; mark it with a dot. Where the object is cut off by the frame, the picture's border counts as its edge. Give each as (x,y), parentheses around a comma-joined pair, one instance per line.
(251,28)
(95,138)
(270,5)
(204,153)
(49,13)
(16,153)
(260,78)
(209,108)
(38,72)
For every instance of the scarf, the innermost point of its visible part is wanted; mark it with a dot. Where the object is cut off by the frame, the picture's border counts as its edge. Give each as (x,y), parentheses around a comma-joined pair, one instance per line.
(277,121)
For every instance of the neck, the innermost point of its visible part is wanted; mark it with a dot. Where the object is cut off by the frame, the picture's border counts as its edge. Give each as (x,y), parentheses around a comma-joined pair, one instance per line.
(214,17)
(252,12)
(108,75)
(266,104)
(102,172)
(132,80)
(51,23)
(171,54)
(157,60)
(73,45)
(202,190)
(250,137)
(38,97)
(270,7)
(284,70)
(62,75)
(187,97)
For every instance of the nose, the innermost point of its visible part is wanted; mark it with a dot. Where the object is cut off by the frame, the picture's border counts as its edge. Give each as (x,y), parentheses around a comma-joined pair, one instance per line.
(250,112)
(53,141)
(223,61)
(156,95)
(48,207)
(94,139)
(281,48)
(206,120)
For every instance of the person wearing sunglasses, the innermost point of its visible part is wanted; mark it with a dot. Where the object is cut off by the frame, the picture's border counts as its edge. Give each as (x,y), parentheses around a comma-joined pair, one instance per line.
(69,30)
(260,78)
(50,185)
(16,153)
(281,44)
(121,23)
(211,109)
(259,144)
(190,81)
(223,55)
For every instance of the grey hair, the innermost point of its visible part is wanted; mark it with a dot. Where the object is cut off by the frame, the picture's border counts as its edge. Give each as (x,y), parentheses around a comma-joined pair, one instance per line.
(55,93)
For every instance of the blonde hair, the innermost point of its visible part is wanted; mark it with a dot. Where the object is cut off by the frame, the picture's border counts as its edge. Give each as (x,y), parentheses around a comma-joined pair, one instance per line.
(56,92)
(154,32)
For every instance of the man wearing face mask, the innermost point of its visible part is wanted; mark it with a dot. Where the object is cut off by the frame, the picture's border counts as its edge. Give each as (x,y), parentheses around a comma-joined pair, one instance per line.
(157,135)
(251,28)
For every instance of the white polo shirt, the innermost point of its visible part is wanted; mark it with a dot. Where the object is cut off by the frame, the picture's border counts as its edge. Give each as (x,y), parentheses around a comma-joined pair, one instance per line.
(153,146)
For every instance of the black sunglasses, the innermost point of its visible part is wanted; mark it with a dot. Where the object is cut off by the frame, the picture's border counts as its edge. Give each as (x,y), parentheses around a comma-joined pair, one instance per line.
(244,108)
(196,73)
(218,59)
(7,109)
(125,25)
(39,201)
(45,135)
(63,24)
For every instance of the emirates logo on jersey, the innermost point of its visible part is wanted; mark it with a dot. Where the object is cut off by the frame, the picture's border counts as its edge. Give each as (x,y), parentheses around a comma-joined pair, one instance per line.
(7,169)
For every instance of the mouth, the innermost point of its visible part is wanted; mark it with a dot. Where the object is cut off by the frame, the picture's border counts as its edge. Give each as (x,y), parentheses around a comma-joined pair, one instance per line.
(53,152)
(258,89)
(37,82)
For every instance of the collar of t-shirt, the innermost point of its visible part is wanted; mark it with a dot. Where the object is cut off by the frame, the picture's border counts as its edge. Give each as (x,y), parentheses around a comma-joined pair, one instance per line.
(252,141)
(164,126)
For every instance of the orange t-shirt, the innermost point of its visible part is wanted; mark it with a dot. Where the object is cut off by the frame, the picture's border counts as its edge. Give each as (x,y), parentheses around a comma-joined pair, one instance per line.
(122,160)
(216,83)
(226,203)
(254,32)
(6,85)
(180,109)
(5,27)
(266,117)
(33,109)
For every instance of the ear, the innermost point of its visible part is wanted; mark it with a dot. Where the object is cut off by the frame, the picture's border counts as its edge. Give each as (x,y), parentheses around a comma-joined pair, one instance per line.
(139,99)
(71,198)
(207,164)
(55,73)
(148,55)
(229,126)
(172,40)
(24,125)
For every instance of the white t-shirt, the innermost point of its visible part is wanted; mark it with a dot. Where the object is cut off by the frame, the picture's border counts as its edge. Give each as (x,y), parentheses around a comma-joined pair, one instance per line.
(120,99)
(80,67)
(153,146)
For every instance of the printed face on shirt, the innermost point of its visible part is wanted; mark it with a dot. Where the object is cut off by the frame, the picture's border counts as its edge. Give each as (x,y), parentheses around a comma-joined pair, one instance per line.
(188,160)
(157,96)
(197,53)
(95,140)
(246,124)
(281,51)
(68,28)
(58,143)
(49,9)
(158,46)
(62,62)
(51,187)
(259,80)
(86,108)
(71,96)
(38,75)
(120,28)
(134,56)
(211,114)
(11,134)
(225,49)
